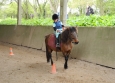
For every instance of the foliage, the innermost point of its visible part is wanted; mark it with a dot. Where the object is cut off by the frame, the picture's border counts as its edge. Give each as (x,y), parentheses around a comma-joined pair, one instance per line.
(37,21)
(93,20)
(45,8)
(10,10)
(88,21)
(29,7)
(10,21)
(106,7)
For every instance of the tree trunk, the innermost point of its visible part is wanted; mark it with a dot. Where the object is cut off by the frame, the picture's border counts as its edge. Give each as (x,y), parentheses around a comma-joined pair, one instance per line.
(41,9)
(100,4)
(54,5)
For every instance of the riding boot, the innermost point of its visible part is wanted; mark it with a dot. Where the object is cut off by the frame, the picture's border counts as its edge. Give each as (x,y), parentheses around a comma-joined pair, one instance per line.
(57,42)
(59,39)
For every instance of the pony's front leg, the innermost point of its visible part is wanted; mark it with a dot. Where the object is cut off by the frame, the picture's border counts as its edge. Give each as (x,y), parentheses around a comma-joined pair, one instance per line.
(66,59)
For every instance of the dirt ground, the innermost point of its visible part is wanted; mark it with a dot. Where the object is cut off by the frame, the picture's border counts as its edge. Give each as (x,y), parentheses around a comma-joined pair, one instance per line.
(30,66)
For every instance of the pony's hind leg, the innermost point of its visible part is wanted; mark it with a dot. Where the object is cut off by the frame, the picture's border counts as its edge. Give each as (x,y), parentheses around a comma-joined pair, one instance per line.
(47,55)
(51,59)
(50,56)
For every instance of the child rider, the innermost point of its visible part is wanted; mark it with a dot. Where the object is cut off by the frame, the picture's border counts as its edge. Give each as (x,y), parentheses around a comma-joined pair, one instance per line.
(58,27)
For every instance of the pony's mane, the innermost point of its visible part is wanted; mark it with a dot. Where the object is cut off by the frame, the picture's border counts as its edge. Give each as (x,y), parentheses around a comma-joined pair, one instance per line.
(66,34)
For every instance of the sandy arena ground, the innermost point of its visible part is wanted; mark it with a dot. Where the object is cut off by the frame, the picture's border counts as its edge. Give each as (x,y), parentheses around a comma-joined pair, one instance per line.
(30,66)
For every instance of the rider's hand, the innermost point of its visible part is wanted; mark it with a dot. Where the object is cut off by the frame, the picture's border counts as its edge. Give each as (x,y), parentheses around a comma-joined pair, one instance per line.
(64,28)
(58,30)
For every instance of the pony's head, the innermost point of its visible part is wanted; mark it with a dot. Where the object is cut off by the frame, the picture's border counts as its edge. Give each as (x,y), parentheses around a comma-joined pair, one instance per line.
(74,35)
(70,35)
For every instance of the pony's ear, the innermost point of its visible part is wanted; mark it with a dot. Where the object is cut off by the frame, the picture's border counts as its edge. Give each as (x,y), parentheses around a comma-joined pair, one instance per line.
(76,29)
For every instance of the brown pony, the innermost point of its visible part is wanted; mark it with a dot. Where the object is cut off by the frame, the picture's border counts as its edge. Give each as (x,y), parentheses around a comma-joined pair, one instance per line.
(68,36)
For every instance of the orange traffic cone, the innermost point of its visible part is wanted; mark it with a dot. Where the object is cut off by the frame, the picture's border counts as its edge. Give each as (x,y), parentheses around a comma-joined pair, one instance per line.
(53,69)
(11,52)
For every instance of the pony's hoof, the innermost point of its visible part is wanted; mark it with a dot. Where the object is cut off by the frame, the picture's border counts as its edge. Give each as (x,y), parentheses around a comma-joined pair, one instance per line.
(65,67)
(48,61)
(52,64)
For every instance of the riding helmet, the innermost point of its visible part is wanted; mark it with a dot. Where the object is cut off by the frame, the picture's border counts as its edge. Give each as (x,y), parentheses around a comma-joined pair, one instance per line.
(54,16)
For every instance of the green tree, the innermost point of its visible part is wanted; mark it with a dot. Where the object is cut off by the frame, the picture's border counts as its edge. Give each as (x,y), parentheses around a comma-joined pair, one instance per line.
(54,5)
(106,7)
(81,4)
(11,10)
(41,8)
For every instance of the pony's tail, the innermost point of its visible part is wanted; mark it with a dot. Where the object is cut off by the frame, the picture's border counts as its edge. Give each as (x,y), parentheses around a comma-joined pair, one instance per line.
(56,55)
(46,48)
